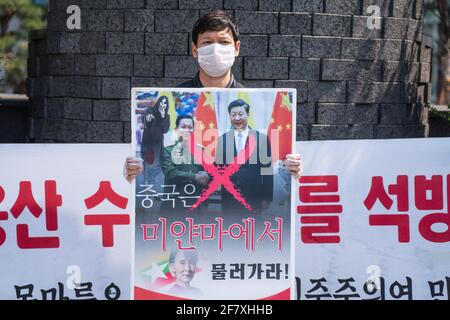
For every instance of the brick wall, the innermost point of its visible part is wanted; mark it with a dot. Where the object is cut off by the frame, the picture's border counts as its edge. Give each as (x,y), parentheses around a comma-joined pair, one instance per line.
(352,82)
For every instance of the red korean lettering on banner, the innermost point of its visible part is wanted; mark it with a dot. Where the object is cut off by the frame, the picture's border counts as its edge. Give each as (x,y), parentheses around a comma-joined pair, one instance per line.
(378,193)
(3,217)
(26,200)
(428,195)
(435,185)
(319,209)
(109,220)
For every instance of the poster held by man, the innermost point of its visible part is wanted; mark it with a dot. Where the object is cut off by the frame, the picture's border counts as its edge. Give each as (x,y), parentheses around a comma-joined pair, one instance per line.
(222,204)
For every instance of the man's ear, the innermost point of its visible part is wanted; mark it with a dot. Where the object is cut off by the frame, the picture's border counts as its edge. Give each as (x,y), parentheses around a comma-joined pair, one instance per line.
(237,47)
(194,51)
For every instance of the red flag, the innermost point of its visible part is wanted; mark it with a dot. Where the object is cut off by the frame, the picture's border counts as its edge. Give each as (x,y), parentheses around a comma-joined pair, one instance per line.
(282,123)
(206,129)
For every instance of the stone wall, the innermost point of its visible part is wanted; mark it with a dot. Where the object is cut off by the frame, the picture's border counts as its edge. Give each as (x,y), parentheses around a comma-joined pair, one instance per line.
(353,82)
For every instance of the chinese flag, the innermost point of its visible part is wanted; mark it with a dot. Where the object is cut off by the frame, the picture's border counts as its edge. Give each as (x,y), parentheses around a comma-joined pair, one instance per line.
(206,129)
(282,122)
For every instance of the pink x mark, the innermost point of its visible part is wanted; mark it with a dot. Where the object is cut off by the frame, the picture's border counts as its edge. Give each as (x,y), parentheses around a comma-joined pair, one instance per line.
(221,174)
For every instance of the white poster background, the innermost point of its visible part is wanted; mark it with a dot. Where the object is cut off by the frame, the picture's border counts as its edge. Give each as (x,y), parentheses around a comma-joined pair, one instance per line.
(369,252)
(78,171)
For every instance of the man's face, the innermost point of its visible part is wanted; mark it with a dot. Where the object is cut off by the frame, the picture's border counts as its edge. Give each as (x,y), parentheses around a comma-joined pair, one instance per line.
(224,37)
(184,268)
(185,128)
(239,118)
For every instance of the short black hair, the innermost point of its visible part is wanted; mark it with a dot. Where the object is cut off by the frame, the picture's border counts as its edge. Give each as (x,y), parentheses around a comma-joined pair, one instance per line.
(183,116)
(215,20)
(191,255)
(239,103)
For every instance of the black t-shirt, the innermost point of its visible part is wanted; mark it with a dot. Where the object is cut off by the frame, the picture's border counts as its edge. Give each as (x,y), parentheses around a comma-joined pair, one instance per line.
(196,83)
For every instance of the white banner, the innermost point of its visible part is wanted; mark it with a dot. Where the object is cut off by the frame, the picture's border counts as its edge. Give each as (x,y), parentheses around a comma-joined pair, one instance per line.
(372,220)
(65,222)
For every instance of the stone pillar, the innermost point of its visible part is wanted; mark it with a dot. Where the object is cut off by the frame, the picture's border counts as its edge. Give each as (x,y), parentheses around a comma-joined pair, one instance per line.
(353,82)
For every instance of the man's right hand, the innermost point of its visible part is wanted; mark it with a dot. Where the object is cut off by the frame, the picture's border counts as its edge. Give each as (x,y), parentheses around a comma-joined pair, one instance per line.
(132,168)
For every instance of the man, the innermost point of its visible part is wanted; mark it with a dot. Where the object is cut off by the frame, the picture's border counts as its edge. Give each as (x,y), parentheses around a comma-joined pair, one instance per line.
(215,44)
(255,176)
(179,167)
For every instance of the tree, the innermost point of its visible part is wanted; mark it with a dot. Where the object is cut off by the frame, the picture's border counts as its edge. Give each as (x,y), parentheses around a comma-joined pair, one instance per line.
(444,35)
(14,41)
(440,9)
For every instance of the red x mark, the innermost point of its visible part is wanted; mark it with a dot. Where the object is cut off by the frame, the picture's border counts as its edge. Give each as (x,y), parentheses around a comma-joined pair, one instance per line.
(221,174)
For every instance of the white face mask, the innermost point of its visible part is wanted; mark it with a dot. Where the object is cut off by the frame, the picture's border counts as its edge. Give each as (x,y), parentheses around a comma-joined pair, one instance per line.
(216,59)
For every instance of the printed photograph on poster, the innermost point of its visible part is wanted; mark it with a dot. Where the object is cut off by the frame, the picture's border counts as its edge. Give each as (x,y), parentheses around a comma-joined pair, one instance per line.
(214,200)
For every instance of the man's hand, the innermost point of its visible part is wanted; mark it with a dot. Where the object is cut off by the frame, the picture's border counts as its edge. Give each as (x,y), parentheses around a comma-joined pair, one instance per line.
(132,168)
(293,164)
(202,178)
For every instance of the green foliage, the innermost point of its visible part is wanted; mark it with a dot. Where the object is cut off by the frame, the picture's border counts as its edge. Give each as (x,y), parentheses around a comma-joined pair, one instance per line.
(14,43)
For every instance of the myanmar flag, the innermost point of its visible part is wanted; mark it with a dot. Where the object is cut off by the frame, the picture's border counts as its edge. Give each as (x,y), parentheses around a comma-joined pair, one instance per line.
(159,274)
(166,277)
(281,121)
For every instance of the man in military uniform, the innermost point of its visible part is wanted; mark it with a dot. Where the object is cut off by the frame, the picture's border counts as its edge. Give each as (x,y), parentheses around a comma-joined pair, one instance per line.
(182,176)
